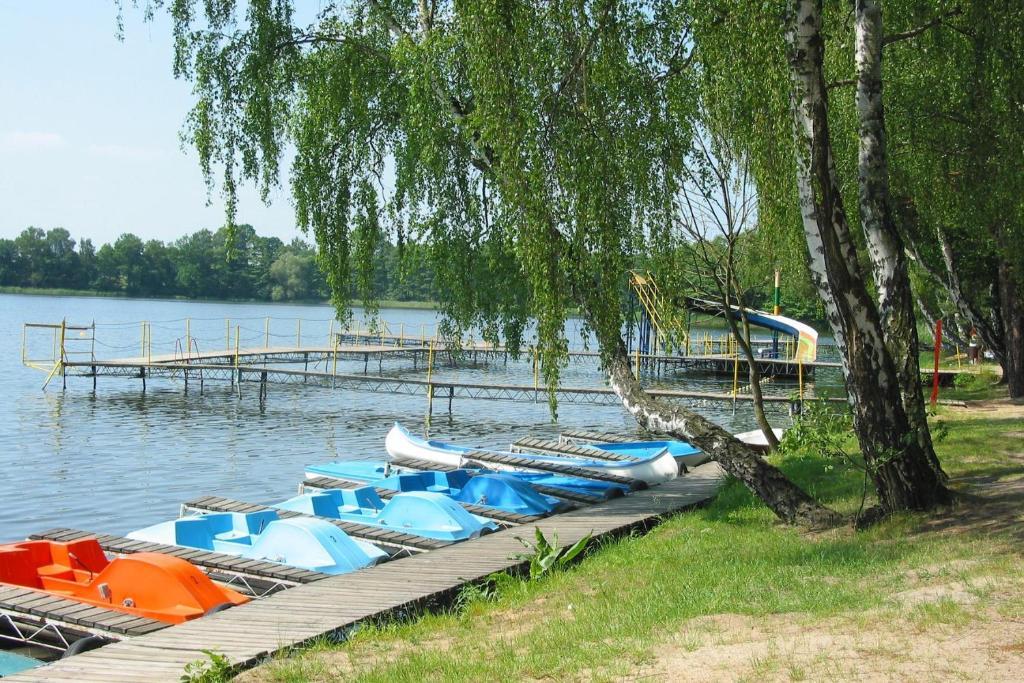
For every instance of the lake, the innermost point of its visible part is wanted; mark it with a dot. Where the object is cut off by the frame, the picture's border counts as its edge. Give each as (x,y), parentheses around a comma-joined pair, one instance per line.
(120,458)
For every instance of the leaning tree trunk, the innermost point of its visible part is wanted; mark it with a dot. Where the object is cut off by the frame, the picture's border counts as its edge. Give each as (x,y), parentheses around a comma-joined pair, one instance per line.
(767,482)
(902,471)
(753,374)
(884,245)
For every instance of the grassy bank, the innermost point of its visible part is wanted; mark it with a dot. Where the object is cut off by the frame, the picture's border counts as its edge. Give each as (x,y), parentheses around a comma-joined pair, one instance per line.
(695,593)
(43,291)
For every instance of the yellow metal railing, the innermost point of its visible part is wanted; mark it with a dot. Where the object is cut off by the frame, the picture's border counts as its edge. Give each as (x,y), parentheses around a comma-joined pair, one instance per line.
(670,332)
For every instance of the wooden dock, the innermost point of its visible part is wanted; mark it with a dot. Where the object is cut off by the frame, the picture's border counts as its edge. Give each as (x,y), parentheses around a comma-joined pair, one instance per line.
(250,633)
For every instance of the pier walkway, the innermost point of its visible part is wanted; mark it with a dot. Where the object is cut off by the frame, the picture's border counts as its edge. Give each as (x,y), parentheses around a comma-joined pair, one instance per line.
(250,633)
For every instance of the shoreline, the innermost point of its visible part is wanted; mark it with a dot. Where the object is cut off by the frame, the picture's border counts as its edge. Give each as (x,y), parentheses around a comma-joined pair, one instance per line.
(96,294)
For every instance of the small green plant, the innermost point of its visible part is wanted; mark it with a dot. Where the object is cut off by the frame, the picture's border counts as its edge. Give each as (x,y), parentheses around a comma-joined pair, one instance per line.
(216,668)
(545,556)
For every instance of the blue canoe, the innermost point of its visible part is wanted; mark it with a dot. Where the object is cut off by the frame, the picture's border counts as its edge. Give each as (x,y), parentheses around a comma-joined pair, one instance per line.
(312,544)
(375,470)
(420,513)
(498,491)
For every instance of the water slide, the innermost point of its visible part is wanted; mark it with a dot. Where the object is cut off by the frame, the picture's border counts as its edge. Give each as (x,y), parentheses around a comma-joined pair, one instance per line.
(806,336)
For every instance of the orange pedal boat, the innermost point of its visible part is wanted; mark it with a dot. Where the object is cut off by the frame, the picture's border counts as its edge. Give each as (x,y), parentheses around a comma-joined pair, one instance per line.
(150,585)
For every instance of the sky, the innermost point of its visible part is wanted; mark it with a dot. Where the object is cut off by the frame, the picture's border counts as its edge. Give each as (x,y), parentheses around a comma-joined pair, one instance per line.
(89,129)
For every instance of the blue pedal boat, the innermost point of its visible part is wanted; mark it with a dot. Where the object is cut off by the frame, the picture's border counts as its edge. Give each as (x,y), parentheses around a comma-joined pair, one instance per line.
(494,490)
(312,544)
(372,471)
(420,513)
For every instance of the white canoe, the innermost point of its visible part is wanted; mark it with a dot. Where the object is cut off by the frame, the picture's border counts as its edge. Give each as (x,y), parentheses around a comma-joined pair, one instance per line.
(400,443)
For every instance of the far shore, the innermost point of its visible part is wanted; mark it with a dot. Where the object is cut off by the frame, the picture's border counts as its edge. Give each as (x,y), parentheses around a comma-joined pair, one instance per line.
(96,294)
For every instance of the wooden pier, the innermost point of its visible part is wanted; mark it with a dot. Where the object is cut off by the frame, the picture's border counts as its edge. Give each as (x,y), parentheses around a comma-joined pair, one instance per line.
(250,633)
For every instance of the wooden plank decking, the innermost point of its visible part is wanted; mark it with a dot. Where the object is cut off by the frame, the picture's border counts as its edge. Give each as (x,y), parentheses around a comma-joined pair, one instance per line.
(251,632)
(532,444)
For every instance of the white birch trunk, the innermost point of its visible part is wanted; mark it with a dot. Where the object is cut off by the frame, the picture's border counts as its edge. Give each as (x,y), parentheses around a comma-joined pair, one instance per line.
(884,245)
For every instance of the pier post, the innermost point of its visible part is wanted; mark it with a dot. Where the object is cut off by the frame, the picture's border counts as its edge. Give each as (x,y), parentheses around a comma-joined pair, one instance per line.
(142,374)
(366,361)
(334,365)
(451,395)
(263,385)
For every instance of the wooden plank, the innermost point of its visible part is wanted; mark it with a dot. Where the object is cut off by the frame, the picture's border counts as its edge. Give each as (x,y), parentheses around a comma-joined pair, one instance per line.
(546,447)
(575,435)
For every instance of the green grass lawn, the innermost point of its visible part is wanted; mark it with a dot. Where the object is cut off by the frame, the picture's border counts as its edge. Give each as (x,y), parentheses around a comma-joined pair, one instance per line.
(609,616)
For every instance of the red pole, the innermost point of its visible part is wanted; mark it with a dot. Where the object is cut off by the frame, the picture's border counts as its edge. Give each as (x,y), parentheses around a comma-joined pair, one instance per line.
(935,374)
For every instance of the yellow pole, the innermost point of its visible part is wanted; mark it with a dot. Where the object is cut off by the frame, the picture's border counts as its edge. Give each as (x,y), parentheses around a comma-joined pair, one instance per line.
(330,335)
(536,370)
(735,375)
(149,343)
(227,333)
(800,378)
(298,332)
(638,361)
(143,338)
(266,333)
(430,361)
(237,330)
(401,335)
(958,365)
(334,369)
(188,338)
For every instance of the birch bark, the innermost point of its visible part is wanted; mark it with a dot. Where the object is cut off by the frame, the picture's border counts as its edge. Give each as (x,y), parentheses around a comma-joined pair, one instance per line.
(902,472)
(884,245)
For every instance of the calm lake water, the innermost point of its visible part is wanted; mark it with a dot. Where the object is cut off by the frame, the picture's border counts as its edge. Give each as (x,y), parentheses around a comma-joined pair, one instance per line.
(120,458)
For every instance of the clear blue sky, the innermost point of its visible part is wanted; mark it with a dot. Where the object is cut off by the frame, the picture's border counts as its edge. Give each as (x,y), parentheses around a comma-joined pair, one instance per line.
(89,129)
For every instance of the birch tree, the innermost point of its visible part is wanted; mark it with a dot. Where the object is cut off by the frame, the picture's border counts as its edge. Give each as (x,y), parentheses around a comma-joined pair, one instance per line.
(870,335)
(535,150)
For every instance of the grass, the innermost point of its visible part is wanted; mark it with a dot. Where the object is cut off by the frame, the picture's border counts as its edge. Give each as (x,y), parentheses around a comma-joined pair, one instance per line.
(606,617)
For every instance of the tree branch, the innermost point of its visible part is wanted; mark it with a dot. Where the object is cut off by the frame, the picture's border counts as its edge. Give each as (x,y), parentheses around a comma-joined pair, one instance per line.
(915,32)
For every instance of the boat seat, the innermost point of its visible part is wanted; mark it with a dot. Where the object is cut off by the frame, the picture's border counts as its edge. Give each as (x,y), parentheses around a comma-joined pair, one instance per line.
(349,510)
(438,489)
(56,571)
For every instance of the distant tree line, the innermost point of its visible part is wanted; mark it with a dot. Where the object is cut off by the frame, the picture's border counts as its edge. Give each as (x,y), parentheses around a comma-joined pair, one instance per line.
(204,264)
